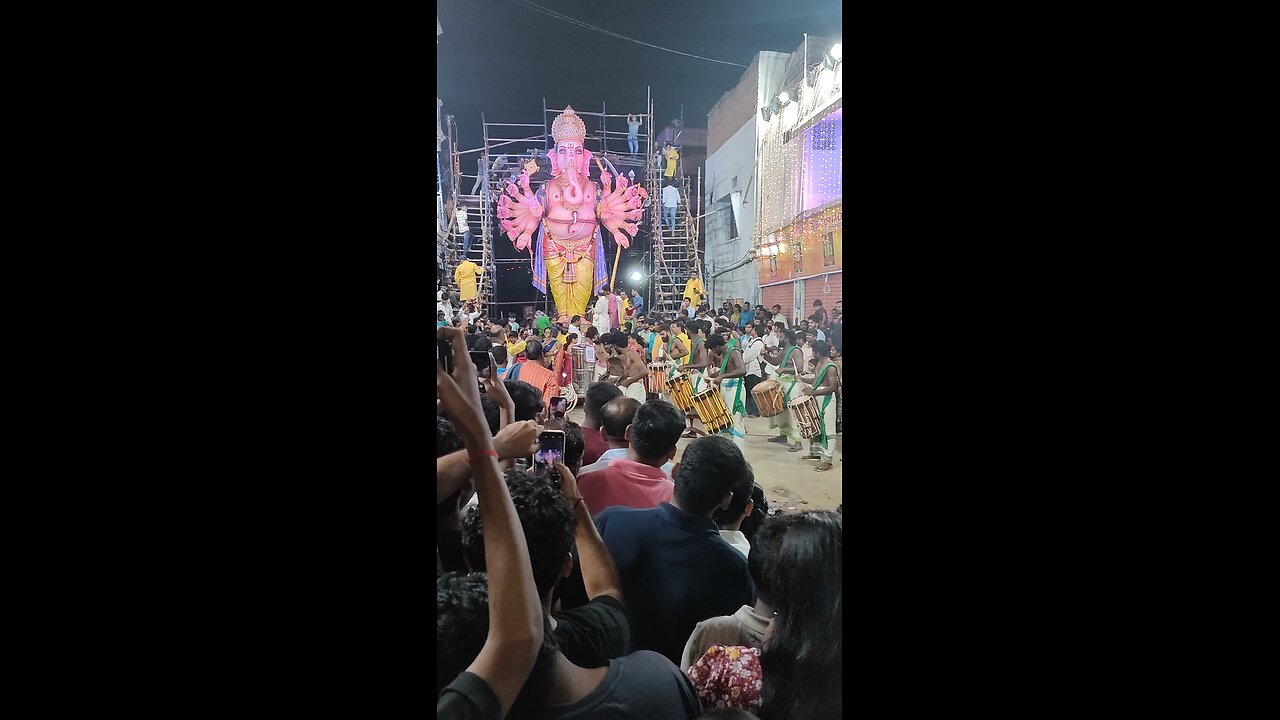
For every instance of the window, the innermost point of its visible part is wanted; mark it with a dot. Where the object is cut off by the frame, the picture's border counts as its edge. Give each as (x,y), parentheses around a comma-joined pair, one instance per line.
(725,215)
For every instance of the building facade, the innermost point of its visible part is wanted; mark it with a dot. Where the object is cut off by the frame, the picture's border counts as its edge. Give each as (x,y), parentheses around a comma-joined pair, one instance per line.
(799,250)
(731,187)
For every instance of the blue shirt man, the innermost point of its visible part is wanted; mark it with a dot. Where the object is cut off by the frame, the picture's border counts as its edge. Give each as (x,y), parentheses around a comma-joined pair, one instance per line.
(637,302)
(745,318)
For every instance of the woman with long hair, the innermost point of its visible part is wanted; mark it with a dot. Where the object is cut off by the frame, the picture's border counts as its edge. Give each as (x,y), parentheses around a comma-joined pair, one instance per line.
(796,674)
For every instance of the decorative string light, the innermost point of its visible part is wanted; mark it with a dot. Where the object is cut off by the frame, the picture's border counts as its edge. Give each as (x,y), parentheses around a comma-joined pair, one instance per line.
(800,178)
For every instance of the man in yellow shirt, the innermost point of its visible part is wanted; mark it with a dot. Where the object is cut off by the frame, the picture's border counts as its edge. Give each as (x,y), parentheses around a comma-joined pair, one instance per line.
(694,292)
(672,156)
(465,276)
(684,339)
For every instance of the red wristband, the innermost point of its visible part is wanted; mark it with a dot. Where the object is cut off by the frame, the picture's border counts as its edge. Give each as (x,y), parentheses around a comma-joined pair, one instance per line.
(477,457)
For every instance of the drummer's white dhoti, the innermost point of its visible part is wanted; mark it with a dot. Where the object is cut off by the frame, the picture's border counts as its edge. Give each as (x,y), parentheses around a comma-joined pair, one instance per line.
(635,390)
(731,390)
(828,417)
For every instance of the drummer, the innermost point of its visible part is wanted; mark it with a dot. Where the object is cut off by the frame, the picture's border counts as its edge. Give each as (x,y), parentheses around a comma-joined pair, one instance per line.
(634,370)
(826,380)
(669,347)
(698,361)
(752,348)
(789,370)
(729,376)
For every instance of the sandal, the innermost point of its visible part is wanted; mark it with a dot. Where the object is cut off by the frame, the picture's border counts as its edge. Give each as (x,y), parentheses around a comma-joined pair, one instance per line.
(811,457)
(795,448)
(823,467)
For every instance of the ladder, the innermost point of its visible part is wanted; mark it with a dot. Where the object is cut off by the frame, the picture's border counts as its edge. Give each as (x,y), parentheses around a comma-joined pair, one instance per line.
(675,249)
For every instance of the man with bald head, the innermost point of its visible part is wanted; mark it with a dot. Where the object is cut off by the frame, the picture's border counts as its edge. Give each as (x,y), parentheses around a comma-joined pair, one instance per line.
(615,418)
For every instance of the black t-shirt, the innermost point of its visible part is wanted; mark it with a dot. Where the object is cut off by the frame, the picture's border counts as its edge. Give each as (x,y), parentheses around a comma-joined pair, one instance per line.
(593,634)
(641,686)
(468,697)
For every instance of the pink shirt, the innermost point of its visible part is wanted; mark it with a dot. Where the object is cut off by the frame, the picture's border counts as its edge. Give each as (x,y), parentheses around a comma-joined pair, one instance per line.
(627,483)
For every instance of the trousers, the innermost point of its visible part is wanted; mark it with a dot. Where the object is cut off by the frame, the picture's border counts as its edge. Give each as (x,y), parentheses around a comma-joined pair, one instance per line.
(752,382)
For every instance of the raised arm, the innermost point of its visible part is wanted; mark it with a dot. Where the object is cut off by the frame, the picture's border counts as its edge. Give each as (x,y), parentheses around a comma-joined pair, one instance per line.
(515,611)
(599,573)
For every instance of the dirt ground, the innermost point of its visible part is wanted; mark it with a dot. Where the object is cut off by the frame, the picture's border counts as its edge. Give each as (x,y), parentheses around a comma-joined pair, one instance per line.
(788,482)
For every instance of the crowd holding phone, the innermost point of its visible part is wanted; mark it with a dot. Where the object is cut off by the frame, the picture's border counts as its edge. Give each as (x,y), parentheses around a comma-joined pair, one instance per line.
(550,451)
(483,362)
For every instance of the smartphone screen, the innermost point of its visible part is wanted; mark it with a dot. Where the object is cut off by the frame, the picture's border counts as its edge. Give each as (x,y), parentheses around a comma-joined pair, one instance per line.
(482,361)
(550,450)
(558,405)
(444,354)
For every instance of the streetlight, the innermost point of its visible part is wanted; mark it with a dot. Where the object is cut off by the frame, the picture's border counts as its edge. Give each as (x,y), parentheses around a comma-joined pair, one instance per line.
(783,97)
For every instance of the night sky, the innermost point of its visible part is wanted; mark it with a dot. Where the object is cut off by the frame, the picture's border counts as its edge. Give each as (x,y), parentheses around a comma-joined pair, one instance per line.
(502,58)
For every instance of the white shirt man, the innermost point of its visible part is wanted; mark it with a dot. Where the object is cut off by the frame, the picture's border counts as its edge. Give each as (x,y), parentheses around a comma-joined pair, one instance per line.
(670,196)
(601,315)
(462,219)
(737,541)
(751,354)
(806,351)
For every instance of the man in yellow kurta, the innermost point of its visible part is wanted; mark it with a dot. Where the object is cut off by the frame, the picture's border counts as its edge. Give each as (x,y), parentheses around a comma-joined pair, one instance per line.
(694,291)
(672,155)
(465,276)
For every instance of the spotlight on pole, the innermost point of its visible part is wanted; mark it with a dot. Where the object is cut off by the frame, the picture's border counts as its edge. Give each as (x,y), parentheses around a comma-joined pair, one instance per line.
(831,58)
(765,114)
(636,276)
(783,97)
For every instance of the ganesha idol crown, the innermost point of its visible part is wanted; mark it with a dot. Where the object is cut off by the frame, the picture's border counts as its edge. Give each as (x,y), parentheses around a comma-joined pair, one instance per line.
(568,126)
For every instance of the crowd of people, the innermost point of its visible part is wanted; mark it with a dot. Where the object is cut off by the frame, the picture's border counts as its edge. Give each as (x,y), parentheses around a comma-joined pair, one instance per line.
(618,583)
(623,582)
(731,350)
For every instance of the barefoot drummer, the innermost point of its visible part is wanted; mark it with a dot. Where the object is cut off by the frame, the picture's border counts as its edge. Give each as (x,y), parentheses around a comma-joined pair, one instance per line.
(826,379)
(729,378)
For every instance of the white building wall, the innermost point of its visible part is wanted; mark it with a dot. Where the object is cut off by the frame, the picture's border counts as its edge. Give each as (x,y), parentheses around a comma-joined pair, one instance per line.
(732,173)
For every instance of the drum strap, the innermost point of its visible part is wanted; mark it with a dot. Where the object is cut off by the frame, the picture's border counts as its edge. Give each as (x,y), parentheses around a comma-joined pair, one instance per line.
(782,370)
(822,414)
(738,405)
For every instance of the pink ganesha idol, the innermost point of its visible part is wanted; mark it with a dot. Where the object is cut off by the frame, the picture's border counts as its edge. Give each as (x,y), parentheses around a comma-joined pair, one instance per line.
(562,220)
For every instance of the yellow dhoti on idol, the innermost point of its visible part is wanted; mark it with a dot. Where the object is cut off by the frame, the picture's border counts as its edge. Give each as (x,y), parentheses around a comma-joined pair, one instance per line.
(569,269)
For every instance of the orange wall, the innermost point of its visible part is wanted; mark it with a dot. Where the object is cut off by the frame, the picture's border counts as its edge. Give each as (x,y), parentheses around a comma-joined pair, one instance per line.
(812,258)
